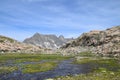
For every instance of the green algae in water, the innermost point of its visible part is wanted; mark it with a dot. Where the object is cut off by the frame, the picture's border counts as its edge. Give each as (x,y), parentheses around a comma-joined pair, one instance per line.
(7,69)
(33,68)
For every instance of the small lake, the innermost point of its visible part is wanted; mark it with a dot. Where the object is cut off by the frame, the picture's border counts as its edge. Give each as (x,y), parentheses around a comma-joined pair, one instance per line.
(64,68)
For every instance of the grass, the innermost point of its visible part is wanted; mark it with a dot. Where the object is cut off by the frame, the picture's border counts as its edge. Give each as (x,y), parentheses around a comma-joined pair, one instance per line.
(7,69)
(30,57)
(100,61)
(33,68)
(83,60)
(3,38)
(93,76)
(88,57)
(37,58)
(111,63)
(87,54)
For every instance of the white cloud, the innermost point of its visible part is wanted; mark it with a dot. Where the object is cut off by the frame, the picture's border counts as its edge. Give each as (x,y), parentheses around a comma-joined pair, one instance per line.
(34,0)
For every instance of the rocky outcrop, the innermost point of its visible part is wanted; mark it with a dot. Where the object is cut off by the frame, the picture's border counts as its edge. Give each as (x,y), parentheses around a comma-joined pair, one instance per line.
(105,42)
(46,41)
(11,45)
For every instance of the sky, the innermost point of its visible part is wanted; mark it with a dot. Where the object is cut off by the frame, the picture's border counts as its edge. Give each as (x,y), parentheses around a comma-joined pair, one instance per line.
(20,19)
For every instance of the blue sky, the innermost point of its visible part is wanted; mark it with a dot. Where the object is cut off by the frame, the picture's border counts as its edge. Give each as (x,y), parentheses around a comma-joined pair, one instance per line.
(20,19)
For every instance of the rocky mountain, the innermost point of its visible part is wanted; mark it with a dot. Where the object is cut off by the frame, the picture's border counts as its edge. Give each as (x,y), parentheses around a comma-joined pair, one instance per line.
(10,45)
(105,42)
(47,41)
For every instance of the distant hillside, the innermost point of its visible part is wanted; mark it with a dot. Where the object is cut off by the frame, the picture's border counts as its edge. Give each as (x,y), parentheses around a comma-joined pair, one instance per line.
(4,39)
(47,41)
(10,45)
(101,42)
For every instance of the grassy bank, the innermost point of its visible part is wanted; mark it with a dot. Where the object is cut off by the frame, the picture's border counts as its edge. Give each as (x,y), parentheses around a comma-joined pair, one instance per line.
(106,75)
(30,57)
(108,63)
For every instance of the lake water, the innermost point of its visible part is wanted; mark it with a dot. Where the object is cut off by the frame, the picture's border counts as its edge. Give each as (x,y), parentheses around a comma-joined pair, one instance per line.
(64,68)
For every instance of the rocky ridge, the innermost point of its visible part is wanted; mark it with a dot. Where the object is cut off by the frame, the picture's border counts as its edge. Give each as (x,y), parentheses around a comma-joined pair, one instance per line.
(47,41)
(105,42)
(10,45)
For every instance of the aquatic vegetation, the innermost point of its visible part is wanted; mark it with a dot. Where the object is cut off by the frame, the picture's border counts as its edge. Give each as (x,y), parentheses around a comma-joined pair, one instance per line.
(106,69)
(103,68)
(17,60)
(7,69)
(33,68)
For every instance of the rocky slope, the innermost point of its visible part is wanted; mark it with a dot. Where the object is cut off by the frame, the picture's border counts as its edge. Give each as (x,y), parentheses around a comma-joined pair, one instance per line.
(10,45)
(105,42)
(46,41)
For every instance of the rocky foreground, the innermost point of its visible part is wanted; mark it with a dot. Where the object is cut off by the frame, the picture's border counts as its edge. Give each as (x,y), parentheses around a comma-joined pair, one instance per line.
(105,42)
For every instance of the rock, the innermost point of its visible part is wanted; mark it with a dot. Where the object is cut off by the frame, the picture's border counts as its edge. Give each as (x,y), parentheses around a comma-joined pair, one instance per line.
(105,42)
(47,41)
(10,45)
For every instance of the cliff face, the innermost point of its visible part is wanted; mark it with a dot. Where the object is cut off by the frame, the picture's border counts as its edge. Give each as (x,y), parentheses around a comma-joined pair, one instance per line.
(46,41)
(101,42)
(10,45)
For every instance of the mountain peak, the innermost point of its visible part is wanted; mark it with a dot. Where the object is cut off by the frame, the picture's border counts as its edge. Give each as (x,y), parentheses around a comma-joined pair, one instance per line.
(46,41)
(61,36)
(36,34)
